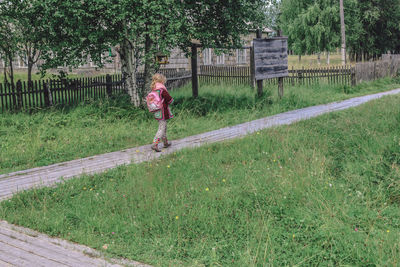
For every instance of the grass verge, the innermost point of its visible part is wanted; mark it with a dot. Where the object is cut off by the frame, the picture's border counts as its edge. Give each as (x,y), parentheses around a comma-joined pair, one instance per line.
(95,127)
(319,192)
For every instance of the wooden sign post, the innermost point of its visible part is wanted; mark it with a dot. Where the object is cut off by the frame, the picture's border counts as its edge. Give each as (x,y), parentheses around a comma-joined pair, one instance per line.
(195,79)
(259,82)
(270,60)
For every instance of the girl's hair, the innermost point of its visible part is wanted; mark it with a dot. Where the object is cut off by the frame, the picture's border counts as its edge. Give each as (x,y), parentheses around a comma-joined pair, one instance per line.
(157,78)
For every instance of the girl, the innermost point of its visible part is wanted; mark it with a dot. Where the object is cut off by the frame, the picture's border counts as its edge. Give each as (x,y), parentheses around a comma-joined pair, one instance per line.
(158,85)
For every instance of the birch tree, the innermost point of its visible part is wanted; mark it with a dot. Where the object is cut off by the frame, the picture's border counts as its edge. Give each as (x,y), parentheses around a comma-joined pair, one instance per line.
(312,26)
(343,33)
(9,40)
(139,29)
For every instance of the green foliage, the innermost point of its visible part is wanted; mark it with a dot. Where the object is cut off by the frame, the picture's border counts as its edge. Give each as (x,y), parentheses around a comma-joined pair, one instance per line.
(312,26)
(372,27)
(380,23)
(24,24)
(78,29)
(322,192)
(139,30)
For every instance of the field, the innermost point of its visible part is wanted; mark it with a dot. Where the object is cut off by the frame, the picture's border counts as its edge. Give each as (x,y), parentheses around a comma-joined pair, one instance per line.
(322,192)
(56,135)
(311,61)
(23,75)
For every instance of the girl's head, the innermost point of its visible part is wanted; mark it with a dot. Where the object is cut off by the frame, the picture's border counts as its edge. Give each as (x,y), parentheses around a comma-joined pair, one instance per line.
(157,78)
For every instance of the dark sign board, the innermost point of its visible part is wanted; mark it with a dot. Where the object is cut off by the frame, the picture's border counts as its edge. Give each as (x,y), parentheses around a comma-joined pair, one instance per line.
(270,58)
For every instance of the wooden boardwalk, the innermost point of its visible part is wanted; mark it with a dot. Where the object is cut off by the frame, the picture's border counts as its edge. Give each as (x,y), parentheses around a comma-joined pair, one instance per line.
(23,247)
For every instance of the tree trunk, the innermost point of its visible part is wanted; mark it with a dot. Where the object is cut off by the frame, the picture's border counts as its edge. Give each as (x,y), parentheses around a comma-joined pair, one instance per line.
(299,58)
(11,73)
(328,58)
(5,72)
(30,67)
(343,33)
(128,70)
(149,65)
(319,58)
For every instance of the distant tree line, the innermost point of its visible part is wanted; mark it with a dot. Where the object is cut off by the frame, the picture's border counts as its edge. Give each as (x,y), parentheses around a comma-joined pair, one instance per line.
(313,26)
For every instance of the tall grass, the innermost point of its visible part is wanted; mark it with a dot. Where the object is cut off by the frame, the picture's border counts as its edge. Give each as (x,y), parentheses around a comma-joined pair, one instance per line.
(55,135)
(323,192)
(311,61)
(23,75)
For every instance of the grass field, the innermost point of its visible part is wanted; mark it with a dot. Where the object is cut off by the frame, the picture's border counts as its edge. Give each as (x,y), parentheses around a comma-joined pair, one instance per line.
(311,61)
(23,75)
(56,135)
(322,192)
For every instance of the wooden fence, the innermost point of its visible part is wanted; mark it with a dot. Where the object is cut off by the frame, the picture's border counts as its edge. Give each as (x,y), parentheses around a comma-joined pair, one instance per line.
(224,74)
(45,93)
(369,71)
(241,75)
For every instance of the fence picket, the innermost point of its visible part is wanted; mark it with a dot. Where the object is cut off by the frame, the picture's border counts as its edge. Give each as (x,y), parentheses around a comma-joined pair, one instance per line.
(1,98)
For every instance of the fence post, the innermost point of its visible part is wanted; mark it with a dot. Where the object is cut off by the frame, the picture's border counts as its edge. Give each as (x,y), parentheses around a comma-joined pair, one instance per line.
(108,85)
(353,76)
(374,70)
(300,75)
(195,78)
(280,79)
(252,68)
(48,100)
(259,82)
(19,94)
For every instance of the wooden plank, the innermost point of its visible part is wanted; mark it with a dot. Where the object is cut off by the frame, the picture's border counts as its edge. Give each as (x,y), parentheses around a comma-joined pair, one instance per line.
(102,80)
(34,94)
(60,90)
(24,96)
(26,256)
(45,252)
(53,86)
(2,97)
(29,94)
(39,93)
(10,260)
(67,87)
(68,91)
(10,95)
(80,90)
(42,247)
(94,87)
(6,96)
(91,83)
(195,81)
(270,58)
(61,252)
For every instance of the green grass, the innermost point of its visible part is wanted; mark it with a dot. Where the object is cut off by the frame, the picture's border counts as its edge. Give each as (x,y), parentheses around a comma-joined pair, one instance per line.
(56,135)
(322,192)
(311,61)
(23,75)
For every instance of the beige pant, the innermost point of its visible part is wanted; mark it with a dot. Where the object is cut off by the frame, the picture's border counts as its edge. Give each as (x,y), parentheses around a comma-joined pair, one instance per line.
(162,131)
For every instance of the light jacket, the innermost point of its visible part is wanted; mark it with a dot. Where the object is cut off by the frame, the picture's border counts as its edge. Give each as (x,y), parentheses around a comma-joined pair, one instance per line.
(165,113)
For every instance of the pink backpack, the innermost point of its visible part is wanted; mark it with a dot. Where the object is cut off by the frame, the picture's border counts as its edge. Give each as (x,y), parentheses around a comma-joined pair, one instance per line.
(154,101)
